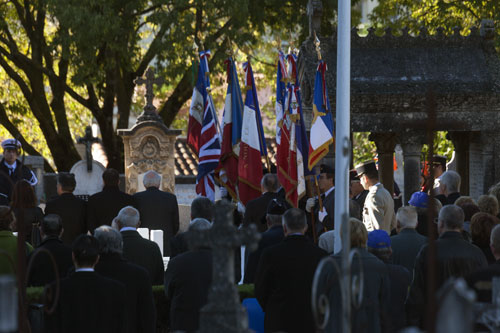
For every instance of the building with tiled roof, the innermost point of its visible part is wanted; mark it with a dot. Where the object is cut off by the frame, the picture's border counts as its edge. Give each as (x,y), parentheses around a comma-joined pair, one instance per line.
(186,163)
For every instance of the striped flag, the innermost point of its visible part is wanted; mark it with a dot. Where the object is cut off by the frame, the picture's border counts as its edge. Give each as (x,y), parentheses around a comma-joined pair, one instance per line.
(293,168)
(196,114)
(209,140)
(227,171)
(321,135)
(252,145)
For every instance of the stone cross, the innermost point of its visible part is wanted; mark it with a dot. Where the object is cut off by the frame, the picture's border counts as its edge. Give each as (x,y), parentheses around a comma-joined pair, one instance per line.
(224,312)
(149,112)
(88,140)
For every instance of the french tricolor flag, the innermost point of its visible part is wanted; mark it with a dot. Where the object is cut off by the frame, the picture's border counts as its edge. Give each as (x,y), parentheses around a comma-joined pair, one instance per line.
(252,145)
(196,109)
(322,124)
(227,171)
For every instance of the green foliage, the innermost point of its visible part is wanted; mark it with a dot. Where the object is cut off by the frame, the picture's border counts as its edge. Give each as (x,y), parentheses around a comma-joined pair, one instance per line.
(362,149)
(435,13)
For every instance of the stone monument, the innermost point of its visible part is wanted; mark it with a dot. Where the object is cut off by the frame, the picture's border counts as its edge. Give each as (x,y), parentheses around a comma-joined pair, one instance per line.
(149,144)
(88,173)
(224,312)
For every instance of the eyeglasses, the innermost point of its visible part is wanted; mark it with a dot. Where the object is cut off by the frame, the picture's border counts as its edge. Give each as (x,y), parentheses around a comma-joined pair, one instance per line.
(436,220)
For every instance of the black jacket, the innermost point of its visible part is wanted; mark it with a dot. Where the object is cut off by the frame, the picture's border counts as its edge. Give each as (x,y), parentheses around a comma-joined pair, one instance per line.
(104,206)
(187,281)
(144,253)
(329,205)
(373,314)
(481,281)
(140,307)
(21,172)
(31,218)
(400,279)
(255,211)
(283,284)
(73,212)
(42,271)
(405,247)
(159,211)
(455,258)
(88,302)
(448,200)
(271,237)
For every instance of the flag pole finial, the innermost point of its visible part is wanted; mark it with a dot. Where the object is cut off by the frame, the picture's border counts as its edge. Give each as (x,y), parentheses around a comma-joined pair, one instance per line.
(317,43)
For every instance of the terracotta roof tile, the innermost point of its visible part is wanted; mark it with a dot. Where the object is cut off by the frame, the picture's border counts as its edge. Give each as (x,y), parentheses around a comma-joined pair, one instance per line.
(186,163)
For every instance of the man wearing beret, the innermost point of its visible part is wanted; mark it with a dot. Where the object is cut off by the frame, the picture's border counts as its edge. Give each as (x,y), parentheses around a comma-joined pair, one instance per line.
(326,186)
(13,168)
(378,211)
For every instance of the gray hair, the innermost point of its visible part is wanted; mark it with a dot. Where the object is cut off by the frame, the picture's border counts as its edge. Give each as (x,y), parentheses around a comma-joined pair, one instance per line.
(51,225)
(202,207)
(110,240)
(151,179)
(495,238)
(452,181)
(452,217)
(295,220)
(274,219)
(270,182)
(407,217)
(199,224)
(128,217)
(488,204)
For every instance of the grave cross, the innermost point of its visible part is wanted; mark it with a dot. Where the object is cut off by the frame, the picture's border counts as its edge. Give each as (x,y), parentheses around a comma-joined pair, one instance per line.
(88,140)
(224,312)
(149,112)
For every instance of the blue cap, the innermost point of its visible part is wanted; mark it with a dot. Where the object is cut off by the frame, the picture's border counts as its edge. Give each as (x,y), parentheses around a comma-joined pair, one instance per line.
(379,239)
(419,199)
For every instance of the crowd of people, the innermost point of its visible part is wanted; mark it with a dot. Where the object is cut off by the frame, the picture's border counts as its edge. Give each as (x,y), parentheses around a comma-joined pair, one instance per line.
(106,269)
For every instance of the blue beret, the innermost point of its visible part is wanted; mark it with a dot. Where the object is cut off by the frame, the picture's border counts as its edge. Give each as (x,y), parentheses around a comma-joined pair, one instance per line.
(379,239)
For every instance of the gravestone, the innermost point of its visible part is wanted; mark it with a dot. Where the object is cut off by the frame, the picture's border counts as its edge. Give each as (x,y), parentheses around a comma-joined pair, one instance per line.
(149,144)
(476,171)
(87,183)
(224,312)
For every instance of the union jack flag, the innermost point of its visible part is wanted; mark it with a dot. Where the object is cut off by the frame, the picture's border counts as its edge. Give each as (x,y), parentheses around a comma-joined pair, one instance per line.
(210,148)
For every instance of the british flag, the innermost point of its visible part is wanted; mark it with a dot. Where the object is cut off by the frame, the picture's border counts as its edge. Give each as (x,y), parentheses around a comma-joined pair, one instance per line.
(210,148)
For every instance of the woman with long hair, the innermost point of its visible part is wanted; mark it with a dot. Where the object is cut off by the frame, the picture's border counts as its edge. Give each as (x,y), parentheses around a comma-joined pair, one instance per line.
(28,214)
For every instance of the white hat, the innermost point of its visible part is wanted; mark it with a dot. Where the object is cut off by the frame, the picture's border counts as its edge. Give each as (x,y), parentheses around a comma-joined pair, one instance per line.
(11,144)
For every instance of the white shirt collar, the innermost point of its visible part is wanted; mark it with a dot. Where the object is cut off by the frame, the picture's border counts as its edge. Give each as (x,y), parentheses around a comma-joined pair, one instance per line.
(128,229)
(85,269)
(10,166)
(375,186)
(329,191)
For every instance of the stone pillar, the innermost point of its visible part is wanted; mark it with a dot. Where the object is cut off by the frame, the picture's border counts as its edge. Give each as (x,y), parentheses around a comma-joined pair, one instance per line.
(411,142)
(461,141)
(385,143)
(488,145)
(149,145)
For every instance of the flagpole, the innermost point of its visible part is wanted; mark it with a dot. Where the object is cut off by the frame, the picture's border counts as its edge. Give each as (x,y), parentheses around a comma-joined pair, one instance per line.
(342,150)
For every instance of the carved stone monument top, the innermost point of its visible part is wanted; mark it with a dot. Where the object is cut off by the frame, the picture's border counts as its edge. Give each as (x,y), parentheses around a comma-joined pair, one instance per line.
(224,312)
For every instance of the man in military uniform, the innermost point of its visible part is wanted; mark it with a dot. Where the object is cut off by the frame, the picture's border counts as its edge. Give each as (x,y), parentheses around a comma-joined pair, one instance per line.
(12,169)
(326,184)
(378,210)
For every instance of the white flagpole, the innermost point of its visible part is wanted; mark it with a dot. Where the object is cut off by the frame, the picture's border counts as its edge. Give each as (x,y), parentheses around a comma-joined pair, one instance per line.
(342,151)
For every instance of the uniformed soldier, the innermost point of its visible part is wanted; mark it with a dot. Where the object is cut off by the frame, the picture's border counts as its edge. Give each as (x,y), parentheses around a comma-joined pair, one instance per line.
(12,169)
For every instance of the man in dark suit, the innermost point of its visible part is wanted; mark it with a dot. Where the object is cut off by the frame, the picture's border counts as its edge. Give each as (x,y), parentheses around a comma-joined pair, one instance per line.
(158,209)
(72,210)
(455,257)
(136,249)
(326,183)
(255,210)
(103,206)
(272,236)
(88,302)
(140,307)
(408,242)
(379,244)
(449,188)
(284,278)
(201,207)
(481,280)
(358,192)
(42,271)
(187,281)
